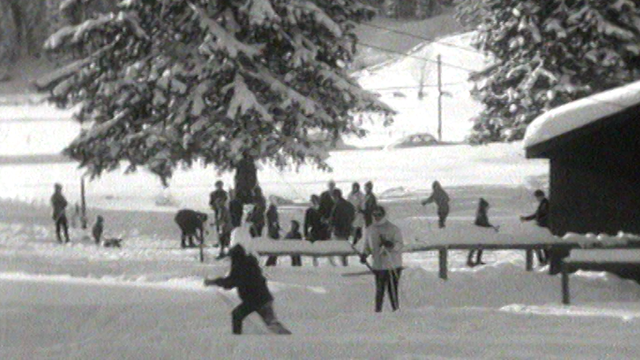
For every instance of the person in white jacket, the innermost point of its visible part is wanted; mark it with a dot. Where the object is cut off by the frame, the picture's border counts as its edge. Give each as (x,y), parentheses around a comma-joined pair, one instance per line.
(384,244)
(356,198)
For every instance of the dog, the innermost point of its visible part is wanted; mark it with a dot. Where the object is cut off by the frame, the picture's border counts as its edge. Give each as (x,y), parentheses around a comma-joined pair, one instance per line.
(112,242)
(191,224)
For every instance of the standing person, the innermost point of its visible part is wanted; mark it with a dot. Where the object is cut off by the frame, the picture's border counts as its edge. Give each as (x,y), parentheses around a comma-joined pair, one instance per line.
(256,216)
(342,218)
(482,220)
(217,199)
(384,243)
(246,276)
(440,197)
(315,229)
(235,209)
(370,203)
(97,229)
(224,227)
(245,179)
(356,198)
(327,201)
(294,234)
(273,230)
(59,204)
(541,216)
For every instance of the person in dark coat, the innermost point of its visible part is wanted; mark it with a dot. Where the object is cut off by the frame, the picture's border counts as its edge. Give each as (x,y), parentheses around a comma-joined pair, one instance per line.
(541,216)
(273,230)
(246,179)
(314,228)
(342,218)
(256,217)
(327,201)
(97,229)
(294,234)
(370,203)
(482,220)
(217,199)
(235,209)
(441,198)
(59,204)
(191,224)
(246,276)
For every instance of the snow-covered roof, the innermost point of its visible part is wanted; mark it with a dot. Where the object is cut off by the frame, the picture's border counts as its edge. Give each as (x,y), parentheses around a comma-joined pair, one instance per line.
(582,112)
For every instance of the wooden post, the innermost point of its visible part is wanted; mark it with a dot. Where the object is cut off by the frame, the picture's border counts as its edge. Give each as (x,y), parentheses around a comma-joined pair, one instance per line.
(443,263)
(83,204)
(529,259)
(565,285)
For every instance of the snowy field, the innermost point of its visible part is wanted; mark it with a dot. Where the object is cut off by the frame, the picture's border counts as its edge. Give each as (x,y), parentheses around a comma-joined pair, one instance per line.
(146,300)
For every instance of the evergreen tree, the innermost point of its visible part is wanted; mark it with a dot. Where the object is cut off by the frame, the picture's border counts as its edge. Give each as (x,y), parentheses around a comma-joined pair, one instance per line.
(547,53)
(166,83)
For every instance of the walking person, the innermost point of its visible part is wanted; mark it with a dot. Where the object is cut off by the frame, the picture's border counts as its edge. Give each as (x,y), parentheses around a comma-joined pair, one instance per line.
(482,220)
(315,229)
(224,227)
(384,243)
(246,276)
(342,218)
(273,230)
(59,204)
(294,234)
(441,198)
(356,198)
(541,216)
(217,199)
(257,214)
(97,229)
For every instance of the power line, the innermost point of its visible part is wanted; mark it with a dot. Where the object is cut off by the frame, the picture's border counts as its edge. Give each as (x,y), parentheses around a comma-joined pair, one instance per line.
(414,56)
(430,40)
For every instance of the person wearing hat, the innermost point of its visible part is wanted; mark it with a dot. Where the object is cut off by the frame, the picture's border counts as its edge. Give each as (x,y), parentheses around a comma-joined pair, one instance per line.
(384,244)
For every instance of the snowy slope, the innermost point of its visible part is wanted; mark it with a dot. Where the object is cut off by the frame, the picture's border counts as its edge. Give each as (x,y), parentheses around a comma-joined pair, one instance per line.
(398,83)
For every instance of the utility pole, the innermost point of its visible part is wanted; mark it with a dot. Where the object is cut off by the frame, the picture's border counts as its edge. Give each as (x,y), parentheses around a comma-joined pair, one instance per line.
(439,98)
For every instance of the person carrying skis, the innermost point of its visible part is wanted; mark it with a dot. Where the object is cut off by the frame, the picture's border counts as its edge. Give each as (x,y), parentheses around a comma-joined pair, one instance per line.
(441,198)
(59,204)
(482,220)
(246,276)
(384,243)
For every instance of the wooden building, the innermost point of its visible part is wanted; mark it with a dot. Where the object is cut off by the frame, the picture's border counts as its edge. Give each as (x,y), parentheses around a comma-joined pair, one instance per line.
(593,146)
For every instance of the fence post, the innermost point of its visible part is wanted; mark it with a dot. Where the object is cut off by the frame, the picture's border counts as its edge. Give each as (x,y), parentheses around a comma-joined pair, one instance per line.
(565,285)
(443,263)
(529,259)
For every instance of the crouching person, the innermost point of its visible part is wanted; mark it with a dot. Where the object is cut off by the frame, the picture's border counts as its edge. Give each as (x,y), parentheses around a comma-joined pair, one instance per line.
(246,276)
(384,243)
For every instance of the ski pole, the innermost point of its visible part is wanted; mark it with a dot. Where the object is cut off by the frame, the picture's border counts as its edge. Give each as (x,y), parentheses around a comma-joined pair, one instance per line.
(362,256)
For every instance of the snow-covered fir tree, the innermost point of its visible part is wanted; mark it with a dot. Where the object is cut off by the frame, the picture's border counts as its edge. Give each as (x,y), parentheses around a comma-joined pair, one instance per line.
(165,83)
(548,53)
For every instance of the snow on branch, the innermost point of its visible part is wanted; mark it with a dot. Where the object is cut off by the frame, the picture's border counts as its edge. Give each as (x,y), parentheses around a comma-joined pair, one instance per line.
(244,100)
(70,35)
(311,9)
(223,39)
(260,11)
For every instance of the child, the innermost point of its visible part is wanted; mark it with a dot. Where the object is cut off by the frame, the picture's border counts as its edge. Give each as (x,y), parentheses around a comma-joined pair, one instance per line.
(97,229)
(294,234)
(246,276)
(482,220)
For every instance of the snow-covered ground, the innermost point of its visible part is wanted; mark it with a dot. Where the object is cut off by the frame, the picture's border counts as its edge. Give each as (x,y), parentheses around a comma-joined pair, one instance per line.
(146,300)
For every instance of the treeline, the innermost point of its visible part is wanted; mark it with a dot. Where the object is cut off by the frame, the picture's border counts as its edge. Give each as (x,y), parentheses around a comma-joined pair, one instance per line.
(26,24)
